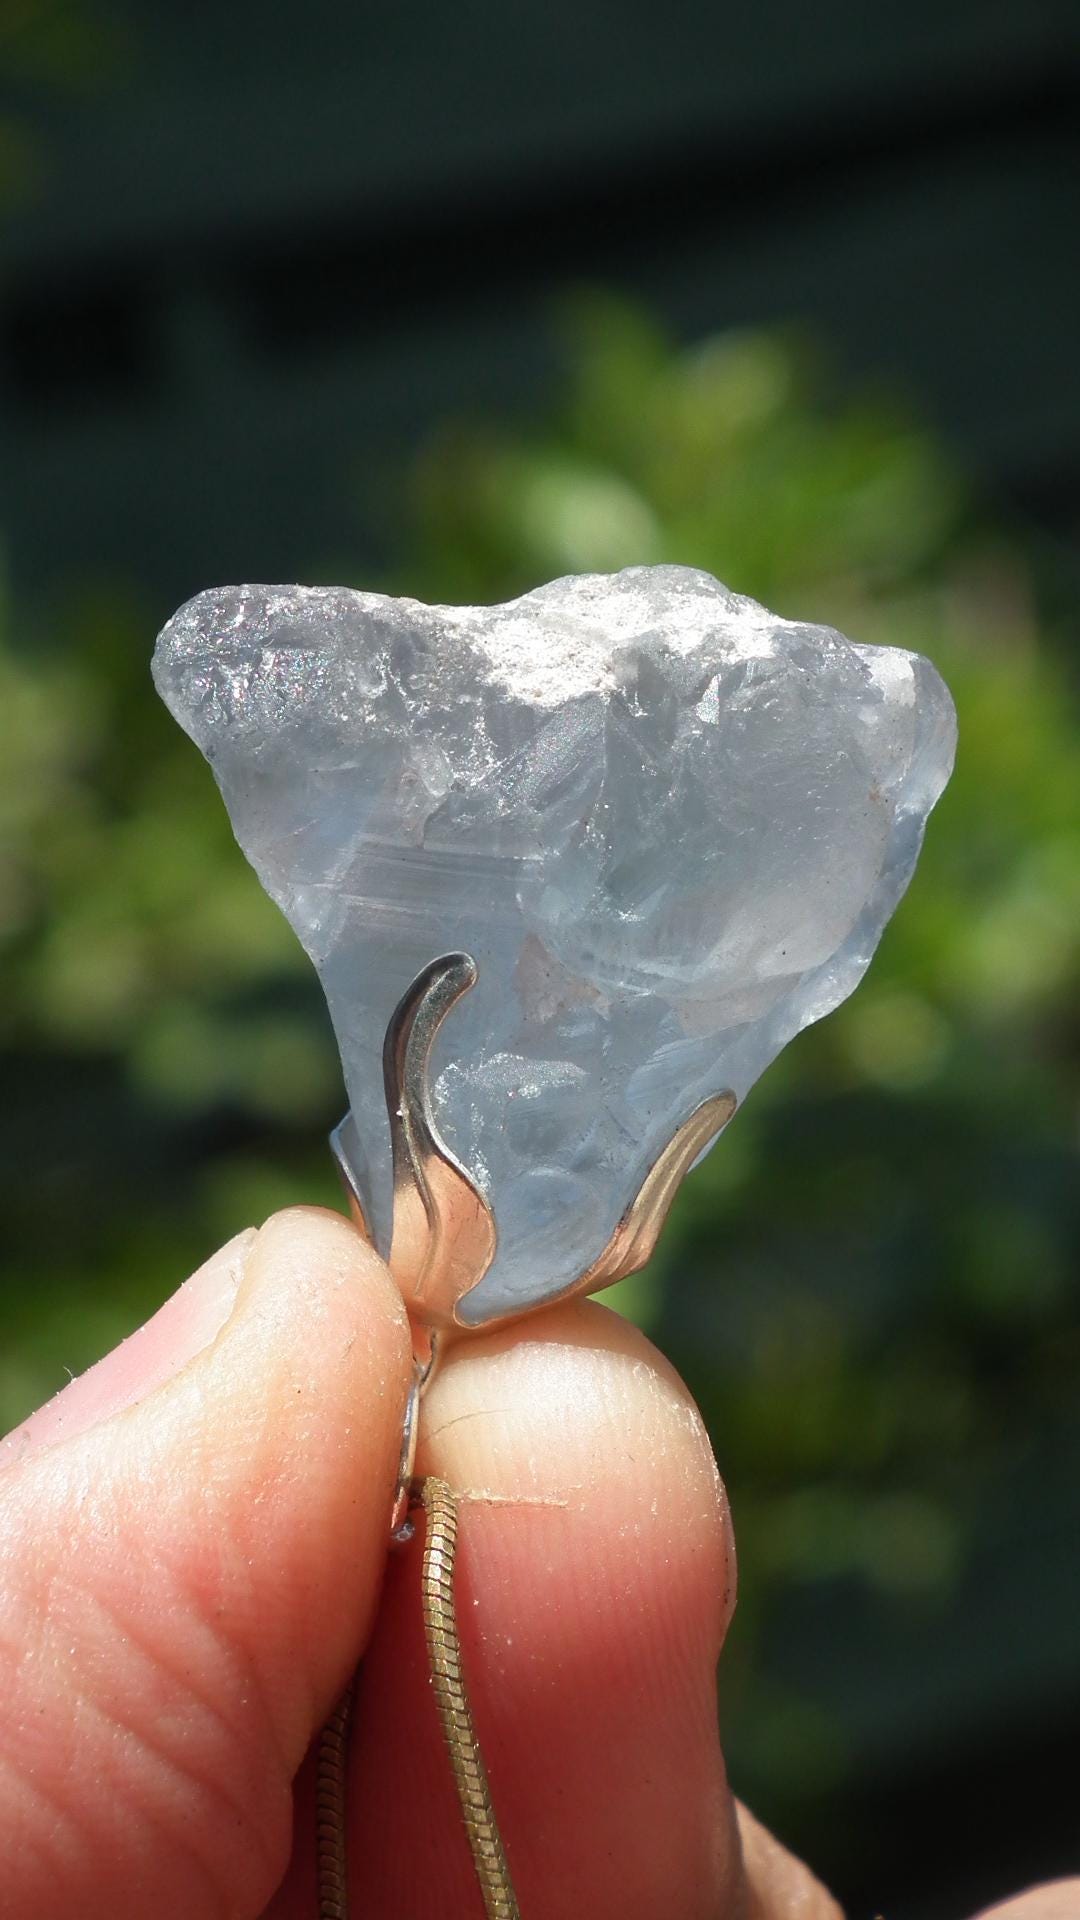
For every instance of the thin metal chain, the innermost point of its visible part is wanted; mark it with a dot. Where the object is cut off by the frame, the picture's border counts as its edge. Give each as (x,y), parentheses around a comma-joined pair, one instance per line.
(330,1804)
(452,1700)
(459,1733)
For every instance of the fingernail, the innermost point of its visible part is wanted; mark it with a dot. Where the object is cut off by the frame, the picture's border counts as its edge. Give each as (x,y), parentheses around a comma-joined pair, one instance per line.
(180,1330)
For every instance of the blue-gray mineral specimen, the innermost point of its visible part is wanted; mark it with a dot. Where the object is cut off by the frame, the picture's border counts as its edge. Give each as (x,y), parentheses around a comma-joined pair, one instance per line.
(669,826)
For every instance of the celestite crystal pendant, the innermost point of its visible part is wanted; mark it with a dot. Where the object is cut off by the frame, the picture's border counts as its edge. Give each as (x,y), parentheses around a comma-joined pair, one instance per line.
(572,871)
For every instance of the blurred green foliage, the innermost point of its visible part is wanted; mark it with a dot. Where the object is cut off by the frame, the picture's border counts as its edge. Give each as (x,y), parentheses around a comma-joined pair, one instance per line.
(872,1284)
(49,50)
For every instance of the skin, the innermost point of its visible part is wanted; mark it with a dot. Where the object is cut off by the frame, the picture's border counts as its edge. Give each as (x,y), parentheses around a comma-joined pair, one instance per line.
(193,1558)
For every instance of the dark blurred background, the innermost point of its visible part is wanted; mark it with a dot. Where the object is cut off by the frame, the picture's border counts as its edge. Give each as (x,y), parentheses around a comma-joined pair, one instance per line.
(453,300)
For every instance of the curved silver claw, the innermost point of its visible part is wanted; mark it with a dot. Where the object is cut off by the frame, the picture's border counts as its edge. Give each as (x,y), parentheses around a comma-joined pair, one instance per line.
(444,1233)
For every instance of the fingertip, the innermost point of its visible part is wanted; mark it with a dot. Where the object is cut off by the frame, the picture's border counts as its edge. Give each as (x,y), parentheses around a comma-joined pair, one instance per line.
(1052,1900)
(320,1323)
(777,1885)
(300,1405)
(577,1411)
(594,1583)
(324,1248)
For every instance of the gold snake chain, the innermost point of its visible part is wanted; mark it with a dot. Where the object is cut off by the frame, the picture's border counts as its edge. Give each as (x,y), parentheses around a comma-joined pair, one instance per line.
(459,1733)
(330,1809)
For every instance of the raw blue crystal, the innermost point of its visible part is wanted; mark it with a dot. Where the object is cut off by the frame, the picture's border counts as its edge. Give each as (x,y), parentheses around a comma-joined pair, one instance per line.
(669,826)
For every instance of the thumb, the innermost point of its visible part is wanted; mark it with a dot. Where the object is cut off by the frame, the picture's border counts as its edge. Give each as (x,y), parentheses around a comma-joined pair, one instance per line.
(191,1545)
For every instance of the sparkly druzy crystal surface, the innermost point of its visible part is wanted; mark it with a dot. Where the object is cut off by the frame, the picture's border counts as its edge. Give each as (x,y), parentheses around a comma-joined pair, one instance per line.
(668,825)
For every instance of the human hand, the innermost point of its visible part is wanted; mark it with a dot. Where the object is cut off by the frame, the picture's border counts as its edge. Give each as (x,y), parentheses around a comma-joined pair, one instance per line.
(192,1561)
